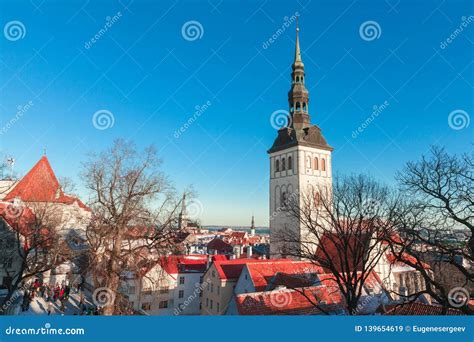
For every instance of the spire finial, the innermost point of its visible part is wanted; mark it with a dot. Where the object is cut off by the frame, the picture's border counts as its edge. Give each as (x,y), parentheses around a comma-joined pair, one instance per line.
(44,151)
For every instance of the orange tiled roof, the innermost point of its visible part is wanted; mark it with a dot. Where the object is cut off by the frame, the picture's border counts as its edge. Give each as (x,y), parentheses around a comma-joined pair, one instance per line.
(291,302)
(41,185)
(420,309)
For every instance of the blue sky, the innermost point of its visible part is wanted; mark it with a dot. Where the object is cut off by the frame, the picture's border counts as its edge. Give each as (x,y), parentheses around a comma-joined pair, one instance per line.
(144,72)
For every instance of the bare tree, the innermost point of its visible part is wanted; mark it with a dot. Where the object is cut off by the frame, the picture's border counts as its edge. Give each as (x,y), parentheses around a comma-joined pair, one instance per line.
(438,225)
(32,244)
(134,214)
(343,230)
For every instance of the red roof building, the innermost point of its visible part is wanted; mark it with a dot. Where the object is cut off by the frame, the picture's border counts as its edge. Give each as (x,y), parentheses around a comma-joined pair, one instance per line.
(314,300)
(41,185)
(420,309)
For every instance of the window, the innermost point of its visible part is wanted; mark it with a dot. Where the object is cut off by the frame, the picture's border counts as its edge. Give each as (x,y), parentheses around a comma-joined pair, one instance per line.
(181,294)
(146,306)
(283,164)
(316,163)
(210,307)
(212,287)
(277,166)
(304,106)
(207,302)
(218,307)
(181,280)
(218,290)
(146,291)
(308,162)
(323,164)
(284,199)
(317,198)
(213,274)
(298,106)
(131,290)
(290,163)
(163,304)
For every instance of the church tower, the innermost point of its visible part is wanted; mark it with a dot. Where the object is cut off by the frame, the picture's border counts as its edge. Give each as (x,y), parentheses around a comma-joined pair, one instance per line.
(300,162)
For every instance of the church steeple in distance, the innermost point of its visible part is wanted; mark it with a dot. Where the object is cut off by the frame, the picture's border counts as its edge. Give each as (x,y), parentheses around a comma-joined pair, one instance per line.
(298,96)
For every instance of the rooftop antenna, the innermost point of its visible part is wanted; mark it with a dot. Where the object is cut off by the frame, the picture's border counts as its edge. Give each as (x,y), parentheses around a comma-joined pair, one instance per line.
(11,162)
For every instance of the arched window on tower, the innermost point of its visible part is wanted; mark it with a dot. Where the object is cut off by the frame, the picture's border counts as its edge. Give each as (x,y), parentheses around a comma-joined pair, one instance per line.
(308,162)
(284,199)
(298,106)
(277,166)
(283,164)
(316,163)
(323,164)
(297,79)
(290,163)
(317,199)
(304,107)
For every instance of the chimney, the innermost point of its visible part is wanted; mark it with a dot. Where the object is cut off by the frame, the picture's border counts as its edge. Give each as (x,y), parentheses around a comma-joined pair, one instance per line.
(237,253)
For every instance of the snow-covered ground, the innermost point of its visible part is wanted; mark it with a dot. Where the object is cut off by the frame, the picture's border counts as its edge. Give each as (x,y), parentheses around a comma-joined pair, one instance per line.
(39,306)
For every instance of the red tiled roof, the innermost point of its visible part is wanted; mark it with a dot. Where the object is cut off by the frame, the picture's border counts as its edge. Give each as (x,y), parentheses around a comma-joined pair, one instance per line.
(420,309)
(392,259)
(41,185)
(22,219)
(263,273)
(231,269)
(338,248)
(291,302)
(219,245)
(174,264)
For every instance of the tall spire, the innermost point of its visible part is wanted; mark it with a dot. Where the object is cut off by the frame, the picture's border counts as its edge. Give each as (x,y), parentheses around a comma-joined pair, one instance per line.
(182,219)
(252,227)
(298,96)
(297,48)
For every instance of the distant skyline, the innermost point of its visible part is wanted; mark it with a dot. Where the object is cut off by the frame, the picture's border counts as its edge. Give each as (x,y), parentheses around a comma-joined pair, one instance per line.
(200,81)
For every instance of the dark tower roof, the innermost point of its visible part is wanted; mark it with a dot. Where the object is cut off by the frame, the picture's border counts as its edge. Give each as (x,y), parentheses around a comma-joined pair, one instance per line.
(299,130)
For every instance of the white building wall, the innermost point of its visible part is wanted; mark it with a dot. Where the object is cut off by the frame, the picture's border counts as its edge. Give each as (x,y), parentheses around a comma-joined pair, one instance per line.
(297,181)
